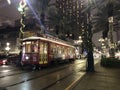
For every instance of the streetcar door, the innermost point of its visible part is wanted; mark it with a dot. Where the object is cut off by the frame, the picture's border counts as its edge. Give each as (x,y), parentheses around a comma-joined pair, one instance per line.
(43,53)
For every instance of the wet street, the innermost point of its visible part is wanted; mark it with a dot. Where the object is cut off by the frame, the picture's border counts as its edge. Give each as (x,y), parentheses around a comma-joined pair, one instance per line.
(59,77)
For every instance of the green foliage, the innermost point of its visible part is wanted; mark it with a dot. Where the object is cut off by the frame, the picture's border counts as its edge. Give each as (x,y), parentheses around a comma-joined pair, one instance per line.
(110,62)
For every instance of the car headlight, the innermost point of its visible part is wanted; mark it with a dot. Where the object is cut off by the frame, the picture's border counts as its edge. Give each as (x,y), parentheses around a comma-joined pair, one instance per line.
(4,61)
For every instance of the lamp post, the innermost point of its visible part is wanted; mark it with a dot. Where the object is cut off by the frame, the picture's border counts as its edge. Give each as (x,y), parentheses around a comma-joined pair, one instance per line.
(102,45)
(78,46)
(101,41)
(111,51)
(110,20)
(21,9)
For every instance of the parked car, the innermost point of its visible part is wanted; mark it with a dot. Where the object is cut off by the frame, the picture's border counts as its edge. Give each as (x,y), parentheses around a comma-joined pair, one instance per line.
(10,59)
(3,59)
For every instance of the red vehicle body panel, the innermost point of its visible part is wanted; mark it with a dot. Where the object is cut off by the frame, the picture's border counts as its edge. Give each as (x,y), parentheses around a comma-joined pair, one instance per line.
(47,51)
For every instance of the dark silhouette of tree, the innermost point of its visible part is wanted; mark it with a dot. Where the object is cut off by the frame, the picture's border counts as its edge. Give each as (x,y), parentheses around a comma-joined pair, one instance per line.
(87,36)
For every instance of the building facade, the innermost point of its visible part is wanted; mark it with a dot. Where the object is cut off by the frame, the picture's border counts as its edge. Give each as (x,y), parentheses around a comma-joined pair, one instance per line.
(71,16)
(9,35)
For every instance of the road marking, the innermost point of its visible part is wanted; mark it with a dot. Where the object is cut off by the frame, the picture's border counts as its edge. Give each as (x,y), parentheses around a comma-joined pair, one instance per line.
(74,82)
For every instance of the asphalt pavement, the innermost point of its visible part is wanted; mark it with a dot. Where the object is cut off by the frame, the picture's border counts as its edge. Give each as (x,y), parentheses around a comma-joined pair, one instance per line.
(102,79)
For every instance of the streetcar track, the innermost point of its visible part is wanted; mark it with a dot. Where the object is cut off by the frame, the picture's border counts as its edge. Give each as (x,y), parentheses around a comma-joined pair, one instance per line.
(68,75)
(52,84)
(32,71)
(13,74)
(9,70)
(39,76)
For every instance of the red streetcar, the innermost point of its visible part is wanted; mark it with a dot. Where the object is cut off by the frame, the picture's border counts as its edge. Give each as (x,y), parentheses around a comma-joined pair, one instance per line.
(41,51)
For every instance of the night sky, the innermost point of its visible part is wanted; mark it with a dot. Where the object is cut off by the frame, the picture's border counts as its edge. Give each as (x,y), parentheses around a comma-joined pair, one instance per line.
(9,12)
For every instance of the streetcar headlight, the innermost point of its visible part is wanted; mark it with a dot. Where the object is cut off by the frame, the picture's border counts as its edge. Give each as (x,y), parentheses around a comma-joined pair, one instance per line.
(26,57)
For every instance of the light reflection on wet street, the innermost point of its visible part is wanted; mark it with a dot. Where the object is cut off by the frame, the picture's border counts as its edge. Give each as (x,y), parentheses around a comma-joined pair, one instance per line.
(57,78)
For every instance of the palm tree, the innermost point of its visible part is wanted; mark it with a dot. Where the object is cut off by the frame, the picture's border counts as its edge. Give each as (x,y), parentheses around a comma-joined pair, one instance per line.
(56,21)
(109,8)
(60,21)
(87,36)
(100,22)
(105,9)
(117,11)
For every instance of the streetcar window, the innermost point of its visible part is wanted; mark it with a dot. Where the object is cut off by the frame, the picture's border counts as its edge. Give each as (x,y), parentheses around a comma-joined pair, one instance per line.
(34,46)
(59,50)
(71,52)
(43,48)
(28,48)
(52,48)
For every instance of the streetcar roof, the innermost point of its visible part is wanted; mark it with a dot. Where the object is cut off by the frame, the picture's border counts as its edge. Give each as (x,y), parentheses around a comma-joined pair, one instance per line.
(48,39)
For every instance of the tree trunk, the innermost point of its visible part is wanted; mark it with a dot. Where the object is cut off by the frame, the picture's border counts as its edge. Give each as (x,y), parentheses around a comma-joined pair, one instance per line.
(89,44)
(90,62)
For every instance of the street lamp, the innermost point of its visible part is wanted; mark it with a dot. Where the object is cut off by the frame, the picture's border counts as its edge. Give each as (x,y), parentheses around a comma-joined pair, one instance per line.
(7,48)
(101,41)
(78,46)
(110,20)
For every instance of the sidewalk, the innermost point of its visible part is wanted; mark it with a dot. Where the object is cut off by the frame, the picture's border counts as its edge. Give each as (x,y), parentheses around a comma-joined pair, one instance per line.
(102,79)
